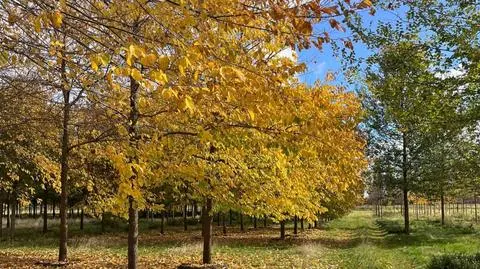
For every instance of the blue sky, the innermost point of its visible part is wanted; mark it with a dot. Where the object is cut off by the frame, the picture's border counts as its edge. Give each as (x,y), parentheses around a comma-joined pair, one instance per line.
(320,62)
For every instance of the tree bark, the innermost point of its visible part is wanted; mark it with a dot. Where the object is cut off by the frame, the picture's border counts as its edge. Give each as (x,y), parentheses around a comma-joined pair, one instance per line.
(162,223)
(64,159)
(475,201)
(405,185)
(265,222)
(82,216)
(255,222)
(194,211)
(442,208)
(35,208)
(45,214)
(12,217)
(295,225)
(207,231)
(230,217)
(132,234)
(242,228)
(282,230)
(185,226)
(301,224)
(1,219)
(133,143)
(8,212)
(224,224)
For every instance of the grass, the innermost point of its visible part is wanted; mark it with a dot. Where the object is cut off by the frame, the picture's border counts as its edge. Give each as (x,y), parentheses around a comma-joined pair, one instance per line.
(357,241)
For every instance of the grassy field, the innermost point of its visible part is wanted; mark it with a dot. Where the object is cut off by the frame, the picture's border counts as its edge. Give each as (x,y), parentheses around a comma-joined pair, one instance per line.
(356,241)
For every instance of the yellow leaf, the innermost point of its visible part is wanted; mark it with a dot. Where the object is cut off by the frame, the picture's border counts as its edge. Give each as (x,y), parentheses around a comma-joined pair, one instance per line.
(189,103)
(94,64)
(105,59)
(182,64)
(159,76)
(135,74)
(148,60)
(251,114)
(163,62)
(56,19)
(37,24)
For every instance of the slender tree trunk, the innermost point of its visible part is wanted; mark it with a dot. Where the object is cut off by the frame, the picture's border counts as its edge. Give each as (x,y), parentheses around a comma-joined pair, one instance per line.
(301,224)
(255,222)
(45,214)
(224,224)
(185,224)
(162,223)
(218,219)
(35,208)
(132,234)
(103,222)
(207,231)
(53,209)
(1,219)
(475,201)
(134,137)
(442,207)
(265,222)
(282,230)
(13,217)
(295,225)
(82,216)
(8,212)
(64,159)
(405,185)
(416,210)
(230,217)
(241,223)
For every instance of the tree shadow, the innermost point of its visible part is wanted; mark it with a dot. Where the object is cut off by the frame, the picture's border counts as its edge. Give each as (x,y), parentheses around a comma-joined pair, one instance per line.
(423,233)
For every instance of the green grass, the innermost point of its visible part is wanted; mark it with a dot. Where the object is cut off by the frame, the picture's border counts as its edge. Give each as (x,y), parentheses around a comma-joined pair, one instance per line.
(356,241)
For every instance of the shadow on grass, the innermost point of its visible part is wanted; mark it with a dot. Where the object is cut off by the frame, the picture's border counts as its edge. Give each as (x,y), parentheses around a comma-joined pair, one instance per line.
(423,233)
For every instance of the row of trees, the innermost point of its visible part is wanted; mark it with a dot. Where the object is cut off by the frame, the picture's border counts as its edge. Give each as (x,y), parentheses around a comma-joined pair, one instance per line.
(121,106)
(423,97)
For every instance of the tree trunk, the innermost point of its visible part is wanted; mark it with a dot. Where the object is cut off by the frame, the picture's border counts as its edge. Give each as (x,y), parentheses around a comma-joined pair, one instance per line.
(282,230)
(241,223)
(255,222)
(295,225)
(218,219)
(475,201)
(185,226)
(405,185)
(224,224)
(162,223)
(45,215)
(301,224)
(1,219)
(442,208)
(132,234)
(8,213)
(35,208)
(133,133)
(53,209)
(265,222)
(12,217)
(207,231)
(194,211)
(230,217)
(82,215)
(64,159)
